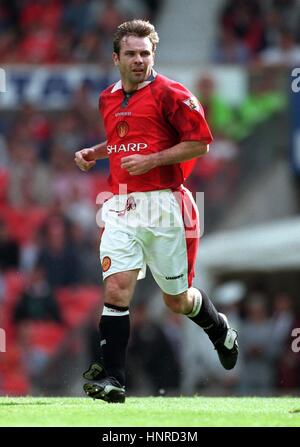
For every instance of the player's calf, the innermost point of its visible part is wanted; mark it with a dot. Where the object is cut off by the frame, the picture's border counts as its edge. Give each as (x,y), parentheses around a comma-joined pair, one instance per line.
(180,304)
(215,324)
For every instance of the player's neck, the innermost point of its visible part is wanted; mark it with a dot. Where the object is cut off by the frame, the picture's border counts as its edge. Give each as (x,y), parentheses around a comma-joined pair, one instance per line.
(129,87)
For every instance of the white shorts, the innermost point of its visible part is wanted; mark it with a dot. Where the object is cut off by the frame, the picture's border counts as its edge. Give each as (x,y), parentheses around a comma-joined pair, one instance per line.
(157,228)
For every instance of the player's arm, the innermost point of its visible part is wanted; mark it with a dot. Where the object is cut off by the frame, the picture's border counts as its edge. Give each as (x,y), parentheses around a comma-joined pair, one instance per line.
(86,158)
(186,150)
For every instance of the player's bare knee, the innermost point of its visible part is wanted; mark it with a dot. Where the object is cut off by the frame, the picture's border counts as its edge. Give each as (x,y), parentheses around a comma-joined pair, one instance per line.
(177,303)
(117,294)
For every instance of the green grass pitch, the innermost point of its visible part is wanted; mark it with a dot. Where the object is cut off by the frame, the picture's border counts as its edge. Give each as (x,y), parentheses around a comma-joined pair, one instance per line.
(151,412)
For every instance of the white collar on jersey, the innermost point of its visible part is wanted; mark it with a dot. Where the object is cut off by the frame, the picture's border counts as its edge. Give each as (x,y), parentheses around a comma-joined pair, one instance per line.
(118,85)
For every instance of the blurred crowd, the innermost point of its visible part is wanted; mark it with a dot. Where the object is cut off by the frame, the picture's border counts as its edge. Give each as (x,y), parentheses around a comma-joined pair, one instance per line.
(50,277)
(80,31)
(259,31)
(45,199)
(220,173)
(265,320)
(69,31)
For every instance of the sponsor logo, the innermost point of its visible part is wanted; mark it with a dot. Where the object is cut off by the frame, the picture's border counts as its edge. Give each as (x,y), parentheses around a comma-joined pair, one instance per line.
(122,129)
(106,263)
(174,277)
(129,147)
(193,103)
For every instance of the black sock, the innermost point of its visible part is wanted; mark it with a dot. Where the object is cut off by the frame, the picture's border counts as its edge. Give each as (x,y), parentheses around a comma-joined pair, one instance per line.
(205,315)
(114,330)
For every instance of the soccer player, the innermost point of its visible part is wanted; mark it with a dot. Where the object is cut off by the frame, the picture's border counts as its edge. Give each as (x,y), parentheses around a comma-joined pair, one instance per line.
(155,130)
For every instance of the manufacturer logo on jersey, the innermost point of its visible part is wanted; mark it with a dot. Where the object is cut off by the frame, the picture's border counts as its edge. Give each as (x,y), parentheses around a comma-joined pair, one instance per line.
(106,263)
(129,147)
(123,114)
(122,129)
(192,103)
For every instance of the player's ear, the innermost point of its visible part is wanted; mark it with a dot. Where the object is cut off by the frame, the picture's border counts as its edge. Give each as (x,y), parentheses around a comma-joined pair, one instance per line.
(115,58)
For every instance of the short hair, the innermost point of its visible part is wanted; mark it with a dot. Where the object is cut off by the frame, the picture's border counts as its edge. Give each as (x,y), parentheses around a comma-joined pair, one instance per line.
(138,28)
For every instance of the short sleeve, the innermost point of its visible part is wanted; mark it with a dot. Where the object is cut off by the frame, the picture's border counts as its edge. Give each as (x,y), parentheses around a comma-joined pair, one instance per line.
(185,113)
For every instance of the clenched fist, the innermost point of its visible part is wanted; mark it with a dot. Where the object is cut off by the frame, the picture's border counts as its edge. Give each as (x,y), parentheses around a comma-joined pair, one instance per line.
(85,159)
(138,164)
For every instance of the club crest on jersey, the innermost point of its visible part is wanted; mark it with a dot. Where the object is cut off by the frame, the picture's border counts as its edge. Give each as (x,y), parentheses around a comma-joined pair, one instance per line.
(122,129)
(106,263)
(192,103)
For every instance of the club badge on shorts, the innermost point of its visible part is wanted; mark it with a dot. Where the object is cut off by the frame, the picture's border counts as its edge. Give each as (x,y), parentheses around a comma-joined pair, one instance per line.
(106,263)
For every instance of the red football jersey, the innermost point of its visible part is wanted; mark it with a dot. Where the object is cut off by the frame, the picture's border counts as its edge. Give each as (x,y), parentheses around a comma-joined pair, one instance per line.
(160,114)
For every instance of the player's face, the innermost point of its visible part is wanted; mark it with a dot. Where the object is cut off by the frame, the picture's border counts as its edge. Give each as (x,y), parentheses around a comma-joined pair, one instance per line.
(135,60)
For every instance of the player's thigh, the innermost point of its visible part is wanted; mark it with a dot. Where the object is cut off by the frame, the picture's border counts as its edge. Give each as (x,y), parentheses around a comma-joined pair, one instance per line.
(122,259)
(120,251)
(119,287)
(167,258)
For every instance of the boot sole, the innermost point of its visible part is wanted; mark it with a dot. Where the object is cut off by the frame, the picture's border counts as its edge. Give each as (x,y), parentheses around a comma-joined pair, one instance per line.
(114,395)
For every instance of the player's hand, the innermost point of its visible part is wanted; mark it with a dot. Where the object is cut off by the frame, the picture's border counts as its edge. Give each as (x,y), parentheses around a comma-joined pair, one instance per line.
(85,159)
(137,164)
